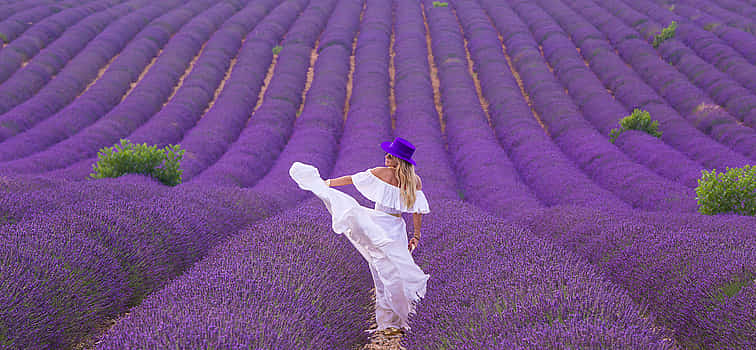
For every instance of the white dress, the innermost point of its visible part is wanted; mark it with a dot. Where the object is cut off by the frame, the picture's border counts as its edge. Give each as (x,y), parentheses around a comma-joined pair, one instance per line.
(380,238)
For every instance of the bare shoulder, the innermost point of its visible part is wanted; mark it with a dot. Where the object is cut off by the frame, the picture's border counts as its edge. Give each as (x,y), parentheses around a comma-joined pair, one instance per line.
(381,171)
(419,182)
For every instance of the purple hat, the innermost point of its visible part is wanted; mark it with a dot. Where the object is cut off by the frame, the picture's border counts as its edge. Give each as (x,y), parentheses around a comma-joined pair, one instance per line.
(400,148)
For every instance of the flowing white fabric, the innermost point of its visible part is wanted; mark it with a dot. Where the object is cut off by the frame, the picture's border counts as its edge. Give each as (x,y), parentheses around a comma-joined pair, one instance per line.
(380,238)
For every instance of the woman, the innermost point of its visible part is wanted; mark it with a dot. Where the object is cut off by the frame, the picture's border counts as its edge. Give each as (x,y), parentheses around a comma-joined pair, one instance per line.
(380,234)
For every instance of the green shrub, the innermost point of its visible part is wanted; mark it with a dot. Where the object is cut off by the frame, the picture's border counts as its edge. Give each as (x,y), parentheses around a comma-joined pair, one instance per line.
(161,164)
(440,4)
(733,191)
(277,49)
(665,34)
(639,120)
(4,38)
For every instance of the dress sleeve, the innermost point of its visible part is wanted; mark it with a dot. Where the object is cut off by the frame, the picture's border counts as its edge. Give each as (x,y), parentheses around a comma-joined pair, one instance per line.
(421,203)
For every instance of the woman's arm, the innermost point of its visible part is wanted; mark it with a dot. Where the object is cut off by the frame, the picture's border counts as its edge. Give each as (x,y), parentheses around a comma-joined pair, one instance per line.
(340,181)
(417,220)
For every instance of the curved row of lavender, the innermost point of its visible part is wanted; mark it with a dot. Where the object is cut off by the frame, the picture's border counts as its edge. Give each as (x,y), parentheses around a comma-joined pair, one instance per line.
(260,142)
(598,105)
(635,184)
(681,94)
(67,104)
(198,88)
(39,25)
(722,88)
(695,273)
(473,148)
(76,255)
(44,65)
(143,101)
(100,247)
(629,89)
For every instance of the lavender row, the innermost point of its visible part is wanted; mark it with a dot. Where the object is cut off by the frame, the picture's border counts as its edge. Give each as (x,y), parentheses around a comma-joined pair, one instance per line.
(12,8)
(416,117)
(746,10)
(706,44)
(68,271)
(607,166)
(495,285)
(696,273)
(598,106)
(674,86)
(738,39)
(316,132)
(196,91)
(37,123)
(39,35)
(368,118)
(535,155)
(12,27)
(285,283)
(486,175)
(726,92)
(729,18)
(633,92)
(270,127)
(140,104)
(223,122)
(25,82)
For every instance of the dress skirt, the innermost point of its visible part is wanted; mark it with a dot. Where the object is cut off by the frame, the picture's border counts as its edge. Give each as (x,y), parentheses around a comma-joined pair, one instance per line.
(381,239)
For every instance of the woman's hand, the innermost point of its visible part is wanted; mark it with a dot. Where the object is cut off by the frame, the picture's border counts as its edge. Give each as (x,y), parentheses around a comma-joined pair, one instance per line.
(413,242)
(328,182)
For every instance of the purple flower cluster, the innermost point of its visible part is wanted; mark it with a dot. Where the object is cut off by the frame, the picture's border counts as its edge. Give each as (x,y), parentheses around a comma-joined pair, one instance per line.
(25,82)
(486,175)
(146,98)
(723,88)
(316,132)
(706,44)
(416,117)
(730,18)
(495,285)
(696,273)
(607,166)
(690,101)
(8,8)
(20,21)
(628,88)
(739,40)
(86,254)
(597,104)
(250,157)
(368,119)
(221,125)
(287,282)
(37,124)
(196,90)
(534,154)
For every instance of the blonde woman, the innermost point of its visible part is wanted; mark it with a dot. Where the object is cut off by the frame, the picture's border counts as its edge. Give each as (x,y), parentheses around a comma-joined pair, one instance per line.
(380,234)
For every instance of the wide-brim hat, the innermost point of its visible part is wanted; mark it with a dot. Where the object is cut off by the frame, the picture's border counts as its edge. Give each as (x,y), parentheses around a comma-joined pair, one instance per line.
(400,148)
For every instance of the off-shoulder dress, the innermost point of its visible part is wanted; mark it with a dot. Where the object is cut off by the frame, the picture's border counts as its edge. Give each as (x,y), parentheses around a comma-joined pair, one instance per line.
(380,238)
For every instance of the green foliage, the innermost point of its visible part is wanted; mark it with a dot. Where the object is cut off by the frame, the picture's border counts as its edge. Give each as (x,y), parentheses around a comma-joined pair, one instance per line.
(639,120)
(4,38)
(733,191)
(277,49)
(162,164)
(440,4)
(665,34)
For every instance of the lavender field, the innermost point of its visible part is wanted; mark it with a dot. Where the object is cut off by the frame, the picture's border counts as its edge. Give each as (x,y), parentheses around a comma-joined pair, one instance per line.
(543,234)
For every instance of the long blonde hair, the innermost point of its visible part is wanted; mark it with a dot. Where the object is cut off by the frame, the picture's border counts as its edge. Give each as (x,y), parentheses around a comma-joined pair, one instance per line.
(405,173)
